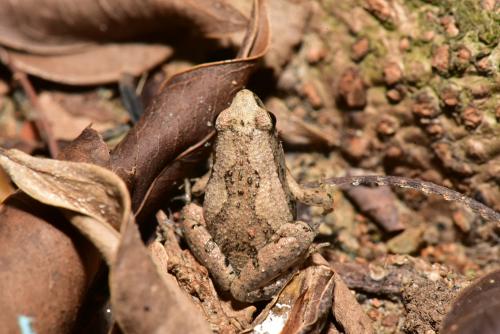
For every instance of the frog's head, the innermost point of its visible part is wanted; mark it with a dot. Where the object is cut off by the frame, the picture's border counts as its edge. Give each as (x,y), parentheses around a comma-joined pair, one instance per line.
(245,114)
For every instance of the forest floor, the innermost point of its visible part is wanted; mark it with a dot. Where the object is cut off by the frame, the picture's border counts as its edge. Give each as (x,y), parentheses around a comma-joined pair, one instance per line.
(370,87)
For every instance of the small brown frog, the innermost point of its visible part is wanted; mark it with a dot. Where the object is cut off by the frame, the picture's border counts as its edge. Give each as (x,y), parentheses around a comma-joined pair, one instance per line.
(247,234)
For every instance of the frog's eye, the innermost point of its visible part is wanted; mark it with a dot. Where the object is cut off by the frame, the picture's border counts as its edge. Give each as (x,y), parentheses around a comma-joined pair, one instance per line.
(273,119)
(259,101)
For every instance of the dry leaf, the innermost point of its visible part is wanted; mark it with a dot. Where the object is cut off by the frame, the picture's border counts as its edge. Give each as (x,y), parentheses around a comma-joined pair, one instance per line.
(63,41)
(348,313)
(476,308)
(45,267)
(273,318)
(142,300)
(303,305)
(97,104)
(6,187)
(85,188)
(94,65)
(49,253)
(379,204)
(97,198)
(64,26)
(181,116)
(66,126)
(310,311)
(87,147)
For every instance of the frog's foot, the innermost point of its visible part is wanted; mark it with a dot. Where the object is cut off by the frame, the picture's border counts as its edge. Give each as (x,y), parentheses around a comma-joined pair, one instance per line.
(317,196)
(273,288)
(204,248)
(264,276)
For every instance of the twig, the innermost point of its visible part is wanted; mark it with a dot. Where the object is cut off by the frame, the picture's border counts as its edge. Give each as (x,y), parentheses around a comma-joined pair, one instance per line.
(423,186)
(130,98)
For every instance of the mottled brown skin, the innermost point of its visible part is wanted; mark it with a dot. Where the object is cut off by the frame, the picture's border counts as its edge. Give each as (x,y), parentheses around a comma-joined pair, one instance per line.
(243,190)
(247,235)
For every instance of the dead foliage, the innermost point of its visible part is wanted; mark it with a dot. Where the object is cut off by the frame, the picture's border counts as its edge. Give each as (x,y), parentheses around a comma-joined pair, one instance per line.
(350,92)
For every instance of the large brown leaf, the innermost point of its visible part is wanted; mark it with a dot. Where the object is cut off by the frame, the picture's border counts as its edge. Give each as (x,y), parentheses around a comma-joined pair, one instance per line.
(98,204)
(97,197)
(64,36)
(63,26)
(348,313)
(45,264)
(183,114)
(476,308)
(45,267)
(143,301)
(94,64)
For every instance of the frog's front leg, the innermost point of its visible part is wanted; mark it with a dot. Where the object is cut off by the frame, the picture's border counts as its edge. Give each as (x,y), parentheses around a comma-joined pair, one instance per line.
(264,276)
(318,196)
(204,248)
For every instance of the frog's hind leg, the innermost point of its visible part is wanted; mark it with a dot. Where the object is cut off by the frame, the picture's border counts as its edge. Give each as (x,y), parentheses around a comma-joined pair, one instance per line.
(262,277)
(204,248)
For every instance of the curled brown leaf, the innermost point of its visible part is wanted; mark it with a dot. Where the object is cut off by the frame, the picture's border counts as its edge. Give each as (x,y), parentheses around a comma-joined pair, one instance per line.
(46,267)
(310,311)
(97,198)
(40,250)
(96,202)
(63,42)
(476,308)
(182,115)
(143,301)
(348,313)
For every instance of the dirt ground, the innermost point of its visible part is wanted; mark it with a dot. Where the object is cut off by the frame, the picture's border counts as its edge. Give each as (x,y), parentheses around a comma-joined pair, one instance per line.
(374,87)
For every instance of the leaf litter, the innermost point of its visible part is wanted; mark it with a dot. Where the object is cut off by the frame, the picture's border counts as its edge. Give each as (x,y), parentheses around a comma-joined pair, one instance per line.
(149,175)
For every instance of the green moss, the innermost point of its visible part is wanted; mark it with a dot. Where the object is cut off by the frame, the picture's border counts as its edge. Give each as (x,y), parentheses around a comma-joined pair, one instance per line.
(491,104)
(465,97)
(470,16)
(414,4)
(417,66)
(371,66)
(433,2)
(427,18)
(372,69)
(471,42)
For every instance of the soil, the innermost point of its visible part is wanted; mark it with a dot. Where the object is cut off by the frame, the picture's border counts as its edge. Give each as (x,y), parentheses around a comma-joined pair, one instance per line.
(379,89)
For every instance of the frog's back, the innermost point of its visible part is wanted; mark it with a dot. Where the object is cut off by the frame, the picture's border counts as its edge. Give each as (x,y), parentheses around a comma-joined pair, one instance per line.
(247,198)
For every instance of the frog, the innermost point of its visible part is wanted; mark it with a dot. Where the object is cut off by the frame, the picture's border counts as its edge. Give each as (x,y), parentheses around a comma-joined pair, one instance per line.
(247,234)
